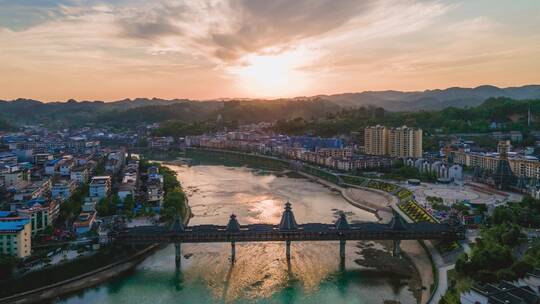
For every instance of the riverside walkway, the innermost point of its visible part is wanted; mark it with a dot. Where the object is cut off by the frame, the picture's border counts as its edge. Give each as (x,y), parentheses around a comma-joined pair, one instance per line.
(288,230)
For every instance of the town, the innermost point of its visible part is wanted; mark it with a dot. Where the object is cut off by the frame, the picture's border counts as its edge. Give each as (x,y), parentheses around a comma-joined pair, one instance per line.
(64,192)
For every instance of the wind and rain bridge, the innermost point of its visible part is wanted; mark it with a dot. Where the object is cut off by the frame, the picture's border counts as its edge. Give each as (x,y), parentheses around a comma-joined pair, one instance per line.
(288,231)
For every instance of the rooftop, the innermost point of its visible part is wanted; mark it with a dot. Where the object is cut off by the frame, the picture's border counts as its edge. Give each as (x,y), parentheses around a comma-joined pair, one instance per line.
(13,224)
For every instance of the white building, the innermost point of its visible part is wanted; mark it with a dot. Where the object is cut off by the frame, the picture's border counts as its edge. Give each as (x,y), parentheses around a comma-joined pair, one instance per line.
(100,186)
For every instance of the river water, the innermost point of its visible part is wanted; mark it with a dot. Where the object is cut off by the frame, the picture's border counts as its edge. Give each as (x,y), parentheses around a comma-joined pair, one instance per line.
(261,273)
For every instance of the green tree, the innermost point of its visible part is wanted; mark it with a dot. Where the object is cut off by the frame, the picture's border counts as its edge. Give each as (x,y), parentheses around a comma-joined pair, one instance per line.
(174,205)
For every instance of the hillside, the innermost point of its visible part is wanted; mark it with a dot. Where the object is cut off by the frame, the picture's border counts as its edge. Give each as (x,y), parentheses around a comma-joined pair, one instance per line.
(432,99)
(511,114)
(140,110)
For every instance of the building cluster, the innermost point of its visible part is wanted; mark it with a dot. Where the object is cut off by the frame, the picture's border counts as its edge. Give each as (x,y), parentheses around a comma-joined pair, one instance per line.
(524,168)
(445,172)
(394,142)
(41,170)
(329,152)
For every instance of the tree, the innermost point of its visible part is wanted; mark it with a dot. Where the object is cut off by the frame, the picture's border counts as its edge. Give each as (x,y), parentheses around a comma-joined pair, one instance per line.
(129,205)
(174,205)
(7,265)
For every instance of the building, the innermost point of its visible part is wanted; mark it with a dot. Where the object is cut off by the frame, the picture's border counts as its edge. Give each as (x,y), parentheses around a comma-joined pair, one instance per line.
(100,186)
(52,166)
(528,167)
(126,189)
(405,142)
(15,236)
(395,142)
(79,174)
(154,190)
(376,140)
(503,292)
(65,167)
(41,159)
(84,222)
(38,216)
(63,189)
(8,158)
(32,191)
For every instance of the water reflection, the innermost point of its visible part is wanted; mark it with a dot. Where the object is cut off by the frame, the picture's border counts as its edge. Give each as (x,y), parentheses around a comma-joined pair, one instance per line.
(261,272)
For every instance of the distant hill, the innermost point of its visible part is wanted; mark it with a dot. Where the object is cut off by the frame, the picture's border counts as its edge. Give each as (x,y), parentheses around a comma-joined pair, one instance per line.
(432,99)
(139,110)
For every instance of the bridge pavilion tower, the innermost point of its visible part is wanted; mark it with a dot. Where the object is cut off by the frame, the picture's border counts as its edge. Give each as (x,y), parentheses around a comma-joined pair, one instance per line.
(177,226)
(233,227)
(288,223)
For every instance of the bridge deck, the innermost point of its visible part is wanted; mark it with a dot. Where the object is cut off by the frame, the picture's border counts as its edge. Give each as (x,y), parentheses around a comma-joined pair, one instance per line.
(304,232)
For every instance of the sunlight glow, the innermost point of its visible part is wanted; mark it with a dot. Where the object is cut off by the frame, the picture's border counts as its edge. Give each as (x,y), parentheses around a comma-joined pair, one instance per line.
(272,75)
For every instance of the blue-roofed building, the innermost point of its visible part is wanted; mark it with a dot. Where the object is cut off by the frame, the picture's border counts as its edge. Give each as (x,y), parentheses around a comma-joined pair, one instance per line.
(8,158)
(51,167)
(312,143)
(15,236)
(7,214)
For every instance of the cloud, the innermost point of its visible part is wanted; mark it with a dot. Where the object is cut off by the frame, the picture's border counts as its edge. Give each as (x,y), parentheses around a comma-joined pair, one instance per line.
(261,24)
(232,29)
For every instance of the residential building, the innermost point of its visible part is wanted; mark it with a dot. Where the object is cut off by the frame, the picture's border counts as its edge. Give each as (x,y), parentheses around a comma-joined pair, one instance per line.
(40,159)
(79,174)
(63,189)
(84,222)
(38,215)
(405,142)
(396,142)
(65,166)
(33,191)
(376,140)
(8,158)
(15,236)
(154,189)
(52,166)
(100,186)
(521,166)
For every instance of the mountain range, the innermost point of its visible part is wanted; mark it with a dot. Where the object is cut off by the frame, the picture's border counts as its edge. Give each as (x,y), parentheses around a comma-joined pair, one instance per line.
(432,99)
(127,111)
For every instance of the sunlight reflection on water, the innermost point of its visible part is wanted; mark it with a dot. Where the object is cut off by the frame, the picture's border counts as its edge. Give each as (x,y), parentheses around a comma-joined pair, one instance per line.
(261,273)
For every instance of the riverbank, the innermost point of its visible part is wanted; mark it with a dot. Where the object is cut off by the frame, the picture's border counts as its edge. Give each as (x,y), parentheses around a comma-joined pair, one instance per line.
(381,201)
(382,209)
(86,280)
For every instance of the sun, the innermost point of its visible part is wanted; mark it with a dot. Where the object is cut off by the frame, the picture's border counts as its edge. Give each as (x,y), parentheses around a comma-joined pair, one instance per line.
(275,75)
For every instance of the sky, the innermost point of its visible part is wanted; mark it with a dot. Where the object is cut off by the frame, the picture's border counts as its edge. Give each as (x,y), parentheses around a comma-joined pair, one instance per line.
(54,50)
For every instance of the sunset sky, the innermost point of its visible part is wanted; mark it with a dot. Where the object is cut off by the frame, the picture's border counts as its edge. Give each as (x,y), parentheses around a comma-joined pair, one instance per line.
(109,50)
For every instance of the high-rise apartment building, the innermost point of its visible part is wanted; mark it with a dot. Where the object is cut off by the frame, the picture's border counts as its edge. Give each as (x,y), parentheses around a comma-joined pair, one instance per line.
(376,140)
(395,142)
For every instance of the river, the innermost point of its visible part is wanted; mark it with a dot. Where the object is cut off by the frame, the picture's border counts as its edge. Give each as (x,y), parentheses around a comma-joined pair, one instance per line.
(261,273)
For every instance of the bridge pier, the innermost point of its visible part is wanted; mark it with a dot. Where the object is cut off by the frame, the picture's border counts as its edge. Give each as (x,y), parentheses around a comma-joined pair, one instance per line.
(397,251)
(288,249)
(178,255)
(233,252)
(342,244)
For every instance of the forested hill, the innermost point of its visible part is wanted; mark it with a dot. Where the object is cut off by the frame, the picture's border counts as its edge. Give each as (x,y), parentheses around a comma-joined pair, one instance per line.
(72,113)
(509,114)
(130,112)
